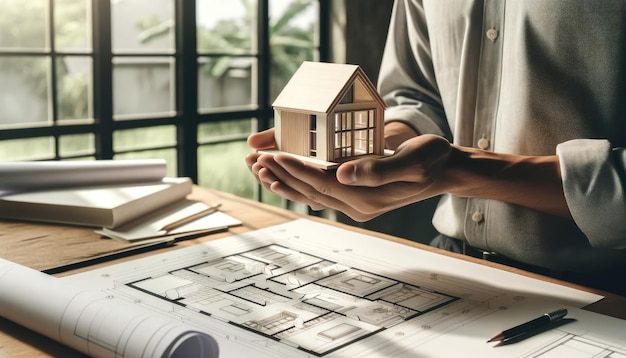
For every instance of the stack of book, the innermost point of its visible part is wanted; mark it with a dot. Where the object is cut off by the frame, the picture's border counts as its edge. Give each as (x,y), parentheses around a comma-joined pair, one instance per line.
(128,199)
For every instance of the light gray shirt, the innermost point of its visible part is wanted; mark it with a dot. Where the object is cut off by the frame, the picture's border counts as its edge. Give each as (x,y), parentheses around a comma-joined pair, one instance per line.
(532,77)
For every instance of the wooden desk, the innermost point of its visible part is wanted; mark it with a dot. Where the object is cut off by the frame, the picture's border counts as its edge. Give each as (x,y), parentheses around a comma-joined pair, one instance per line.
(41,246)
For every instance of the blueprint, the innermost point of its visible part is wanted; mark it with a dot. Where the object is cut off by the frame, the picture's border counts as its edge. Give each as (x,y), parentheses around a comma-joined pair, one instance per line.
(307,289)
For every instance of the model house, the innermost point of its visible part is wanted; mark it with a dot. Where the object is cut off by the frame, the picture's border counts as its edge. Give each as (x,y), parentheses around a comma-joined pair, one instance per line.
(329,113)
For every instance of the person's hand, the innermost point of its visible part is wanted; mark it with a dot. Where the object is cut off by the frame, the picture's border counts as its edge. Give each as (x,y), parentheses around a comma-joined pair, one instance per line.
(363,188)
(259,141)
(395,133)
(421,167)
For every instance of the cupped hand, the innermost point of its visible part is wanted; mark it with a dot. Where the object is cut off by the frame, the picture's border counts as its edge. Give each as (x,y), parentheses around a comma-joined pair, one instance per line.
(363,188)
(259,141)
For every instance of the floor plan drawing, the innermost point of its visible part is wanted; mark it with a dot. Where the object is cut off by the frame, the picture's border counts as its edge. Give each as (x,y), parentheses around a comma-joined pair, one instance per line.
(574,346)
(313,304)
(307,289)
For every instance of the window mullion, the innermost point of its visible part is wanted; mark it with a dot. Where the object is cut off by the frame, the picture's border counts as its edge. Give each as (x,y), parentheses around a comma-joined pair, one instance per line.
(53,98)
(186,89)
(263,74)
(324,30)
(103,78)
(264,60)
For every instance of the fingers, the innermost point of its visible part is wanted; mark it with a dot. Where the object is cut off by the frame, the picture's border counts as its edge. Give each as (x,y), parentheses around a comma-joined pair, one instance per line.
(257,164)
(307,187)
(320,189)
(251,160)
(262,140)
(265,176)
(290,194)
(316,186)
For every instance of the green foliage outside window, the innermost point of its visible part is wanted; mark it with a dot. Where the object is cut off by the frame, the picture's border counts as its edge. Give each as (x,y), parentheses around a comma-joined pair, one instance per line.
(24,29)
(27,49)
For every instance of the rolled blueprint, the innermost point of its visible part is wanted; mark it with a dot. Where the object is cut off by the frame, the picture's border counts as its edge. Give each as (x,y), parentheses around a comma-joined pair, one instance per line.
(21,176)
(92,322)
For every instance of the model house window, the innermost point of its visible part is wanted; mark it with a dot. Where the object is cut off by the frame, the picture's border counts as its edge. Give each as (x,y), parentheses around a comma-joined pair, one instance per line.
(186,81)
(364,132)
(313,136)
(343,135)
(354,133)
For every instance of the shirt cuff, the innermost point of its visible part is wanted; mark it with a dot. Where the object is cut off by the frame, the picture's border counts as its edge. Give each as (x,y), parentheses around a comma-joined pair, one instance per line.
(593,177)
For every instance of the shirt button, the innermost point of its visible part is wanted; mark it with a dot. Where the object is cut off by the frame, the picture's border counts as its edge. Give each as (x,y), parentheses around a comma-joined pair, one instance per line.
(483,143)
(477,217)
(492,34)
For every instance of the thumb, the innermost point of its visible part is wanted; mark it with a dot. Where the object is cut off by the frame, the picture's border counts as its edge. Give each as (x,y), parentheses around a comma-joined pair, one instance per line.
(346,173)
(262,140)
(363,172)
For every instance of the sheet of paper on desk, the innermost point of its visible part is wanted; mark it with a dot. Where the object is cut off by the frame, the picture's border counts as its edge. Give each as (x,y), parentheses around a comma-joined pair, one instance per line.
(151,226)
(305,289)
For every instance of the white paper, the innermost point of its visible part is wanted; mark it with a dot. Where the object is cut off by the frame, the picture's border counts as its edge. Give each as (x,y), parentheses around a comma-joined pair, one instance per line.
(149,226)
(97,323)
(305,289)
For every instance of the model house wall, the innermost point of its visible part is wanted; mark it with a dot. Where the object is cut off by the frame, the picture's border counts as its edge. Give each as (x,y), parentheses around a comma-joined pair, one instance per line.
(330,113)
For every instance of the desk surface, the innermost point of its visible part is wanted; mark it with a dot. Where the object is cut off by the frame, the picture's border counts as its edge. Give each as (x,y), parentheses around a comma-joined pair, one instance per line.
(41,246)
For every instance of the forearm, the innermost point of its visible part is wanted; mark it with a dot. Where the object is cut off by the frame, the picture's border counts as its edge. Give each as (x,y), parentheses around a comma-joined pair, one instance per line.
(530,181)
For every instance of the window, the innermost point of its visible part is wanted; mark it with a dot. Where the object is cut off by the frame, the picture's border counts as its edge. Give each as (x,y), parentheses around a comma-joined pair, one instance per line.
(343,135)
(313,135)
(354,133)
(364,132)
(186,81)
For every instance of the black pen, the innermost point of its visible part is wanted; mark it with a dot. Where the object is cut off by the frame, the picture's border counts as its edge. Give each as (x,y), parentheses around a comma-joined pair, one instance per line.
(132,250)
(529,326)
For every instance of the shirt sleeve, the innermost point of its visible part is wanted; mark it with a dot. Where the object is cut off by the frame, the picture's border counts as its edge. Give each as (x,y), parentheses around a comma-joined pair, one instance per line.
(407,81)
(594,182)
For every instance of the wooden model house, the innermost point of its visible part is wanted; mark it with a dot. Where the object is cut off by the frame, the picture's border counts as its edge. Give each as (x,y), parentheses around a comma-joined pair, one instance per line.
(329,113)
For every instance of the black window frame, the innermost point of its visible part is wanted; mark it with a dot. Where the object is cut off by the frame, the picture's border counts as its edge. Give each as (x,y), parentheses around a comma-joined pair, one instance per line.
(187,117)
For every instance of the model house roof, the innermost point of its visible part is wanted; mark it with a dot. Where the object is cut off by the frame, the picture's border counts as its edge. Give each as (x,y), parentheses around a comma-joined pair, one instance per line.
(319,86)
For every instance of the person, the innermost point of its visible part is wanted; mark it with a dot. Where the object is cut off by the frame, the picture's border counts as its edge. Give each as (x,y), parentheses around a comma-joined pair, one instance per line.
(514,112)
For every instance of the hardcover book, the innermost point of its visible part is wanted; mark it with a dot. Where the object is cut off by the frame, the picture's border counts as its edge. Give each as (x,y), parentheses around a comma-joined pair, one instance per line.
(104,206)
